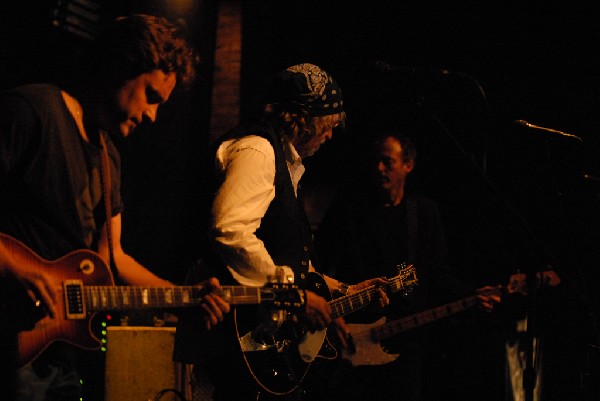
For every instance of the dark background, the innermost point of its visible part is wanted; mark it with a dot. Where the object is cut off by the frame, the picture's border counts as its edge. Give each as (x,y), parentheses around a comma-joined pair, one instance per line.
(455,75)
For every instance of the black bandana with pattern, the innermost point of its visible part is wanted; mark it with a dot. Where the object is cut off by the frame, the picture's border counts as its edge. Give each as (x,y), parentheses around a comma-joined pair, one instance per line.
(307,86)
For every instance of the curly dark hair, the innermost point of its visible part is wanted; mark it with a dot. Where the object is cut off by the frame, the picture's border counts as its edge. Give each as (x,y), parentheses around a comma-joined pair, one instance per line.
(129,46)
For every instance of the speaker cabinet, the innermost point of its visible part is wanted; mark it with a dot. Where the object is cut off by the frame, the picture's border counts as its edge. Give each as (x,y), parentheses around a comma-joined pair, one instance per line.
(139,365)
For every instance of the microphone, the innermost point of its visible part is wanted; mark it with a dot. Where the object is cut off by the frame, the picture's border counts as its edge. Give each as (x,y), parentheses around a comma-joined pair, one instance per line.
(593,178)
(524,123)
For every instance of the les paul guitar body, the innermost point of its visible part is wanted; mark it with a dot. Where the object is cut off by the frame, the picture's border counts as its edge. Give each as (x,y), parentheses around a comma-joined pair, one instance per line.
(73,323)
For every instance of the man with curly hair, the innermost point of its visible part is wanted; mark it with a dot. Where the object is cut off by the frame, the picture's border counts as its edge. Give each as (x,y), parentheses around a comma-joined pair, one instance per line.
(52,142)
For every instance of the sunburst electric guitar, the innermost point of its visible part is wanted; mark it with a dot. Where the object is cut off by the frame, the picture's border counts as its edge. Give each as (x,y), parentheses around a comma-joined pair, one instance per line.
(279,352)
(365,346)
(87,287)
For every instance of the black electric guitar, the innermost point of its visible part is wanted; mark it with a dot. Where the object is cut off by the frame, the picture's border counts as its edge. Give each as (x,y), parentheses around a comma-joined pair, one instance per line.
(279,352)
(85,286)
(365,348)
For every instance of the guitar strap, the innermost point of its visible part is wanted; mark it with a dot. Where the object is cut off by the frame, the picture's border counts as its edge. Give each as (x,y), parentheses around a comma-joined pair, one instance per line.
(412,229)
(106,194)
(314,259)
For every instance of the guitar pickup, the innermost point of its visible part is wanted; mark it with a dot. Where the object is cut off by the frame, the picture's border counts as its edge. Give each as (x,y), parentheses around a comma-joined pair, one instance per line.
(74,302)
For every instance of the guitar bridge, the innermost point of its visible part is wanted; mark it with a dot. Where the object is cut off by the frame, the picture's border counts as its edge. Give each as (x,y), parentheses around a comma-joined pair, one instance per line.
(74,303)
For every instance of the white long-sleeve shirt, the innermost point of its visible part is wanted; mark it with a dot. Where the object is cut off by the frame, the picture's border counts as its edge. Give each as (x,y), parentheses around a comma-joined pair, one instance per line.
(248,188)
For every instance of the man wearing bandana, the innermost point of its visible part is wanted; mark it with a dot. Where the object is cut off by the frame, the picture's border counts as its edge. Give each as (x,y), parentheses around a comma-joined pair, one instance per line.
(257,228)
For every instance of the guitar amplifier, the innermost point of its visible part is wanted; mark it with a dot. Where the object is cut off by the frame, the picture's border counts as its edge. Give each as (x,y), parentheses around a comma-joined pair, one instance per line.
(139,365)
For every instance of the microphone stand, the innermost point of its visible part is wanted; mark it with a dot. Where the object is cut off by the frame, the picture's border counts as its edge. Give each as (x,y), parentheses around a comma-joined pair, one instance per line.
(531,351)
(531,342)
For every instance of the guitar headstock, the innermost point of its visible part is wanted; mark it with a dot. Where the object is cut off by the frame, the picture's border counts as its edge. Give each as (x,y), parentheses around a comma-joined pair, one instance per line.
(405,281)
(284,296)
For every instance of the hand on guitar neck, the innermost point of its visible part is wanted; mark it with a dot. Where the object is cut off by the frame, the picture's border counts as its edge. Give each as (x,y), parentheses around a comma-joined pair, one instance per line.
(213,304)
(318,311)
(488,296)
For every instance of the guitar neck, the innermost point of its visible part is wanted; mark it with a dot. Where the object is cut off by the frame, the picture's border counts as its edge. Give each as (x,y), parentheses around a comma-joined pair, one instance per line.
(350,303)
(517,284)
(358,300)
(394,327)
(99,298)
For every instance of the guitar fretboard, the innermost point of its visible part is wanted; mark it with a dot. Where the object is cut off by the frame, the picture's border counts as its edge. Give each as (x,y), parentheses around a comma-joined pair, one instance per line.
(350,303)
(99,298)
(357,300)
(408,323)
(242,295)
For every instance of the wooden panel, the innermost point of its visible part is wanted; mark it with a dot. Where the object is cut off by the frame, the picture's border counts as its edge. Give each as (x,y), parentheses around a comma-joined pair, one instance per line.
(225,104)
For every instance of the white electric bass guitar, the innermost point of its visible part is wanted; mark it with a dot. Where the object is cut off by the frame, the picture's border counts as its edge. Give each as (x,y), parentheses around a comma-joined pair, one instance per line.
(365,346)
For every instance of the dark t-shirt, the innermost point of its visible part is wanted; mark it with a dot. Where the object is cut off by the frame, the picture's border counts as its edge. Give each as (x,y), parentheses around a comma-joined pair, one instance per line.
(50,188)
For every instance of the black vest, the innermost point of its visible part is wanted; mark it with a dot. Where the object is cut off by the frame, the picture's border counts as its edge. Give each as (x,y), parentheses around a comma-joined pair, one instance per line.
(284,229)
(287,236)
